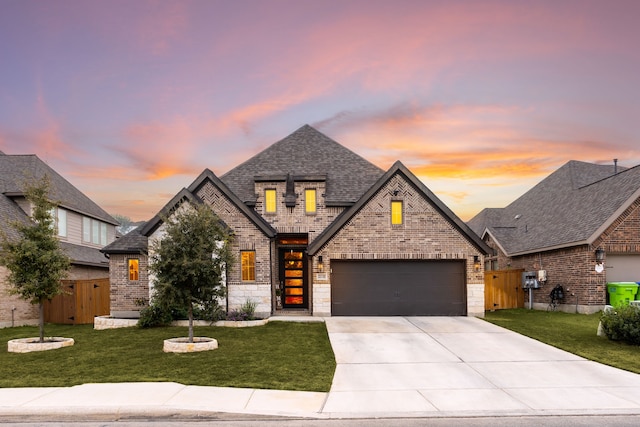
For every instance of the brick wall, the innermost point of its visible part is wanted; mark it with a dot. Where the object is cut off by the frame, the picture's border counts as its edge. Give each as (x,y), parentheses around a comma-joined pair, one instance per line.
(623,236)
(574,268)
(25,313)
(295,220)
(126,295)
(425,234)
(247,236)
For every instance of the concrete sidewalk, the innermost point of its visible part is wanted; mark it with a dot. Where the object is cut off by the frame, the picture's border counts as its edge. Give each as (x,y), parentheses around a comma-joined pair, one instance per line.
(386,367)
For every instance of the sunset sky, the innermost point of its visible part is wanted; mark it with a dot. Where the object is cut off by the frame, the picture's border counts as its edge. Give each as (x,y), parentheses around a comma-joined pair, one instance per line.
(131,100)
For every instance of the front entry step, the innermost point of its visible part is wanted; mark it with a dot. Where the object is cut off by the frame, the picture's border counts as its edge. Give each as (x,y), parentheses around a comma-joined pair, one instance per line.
(292,312)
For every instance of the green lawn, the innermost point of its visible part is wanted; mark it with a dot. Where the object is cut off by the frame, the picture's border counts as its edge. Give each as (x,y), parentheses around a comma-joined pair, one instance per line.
(575,333)
(279,355)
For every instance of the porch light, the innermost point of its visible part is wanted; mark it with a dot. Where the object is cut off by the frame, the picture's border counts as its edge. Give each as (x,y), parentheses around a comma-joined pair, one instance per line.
(476,263)
(320,263)
(599,255)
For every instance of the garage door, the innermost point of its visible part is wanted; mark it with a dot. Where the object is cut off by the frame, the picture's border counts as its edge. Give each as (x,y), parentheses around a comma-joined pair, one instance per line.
(398,288)
(623,268)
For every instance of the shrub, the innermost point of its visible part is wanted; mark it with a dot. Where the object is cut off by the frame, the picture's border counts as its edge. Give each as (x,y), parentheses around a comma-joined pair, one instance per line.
(622,324)
(246,312)
(158,314)
(154,316)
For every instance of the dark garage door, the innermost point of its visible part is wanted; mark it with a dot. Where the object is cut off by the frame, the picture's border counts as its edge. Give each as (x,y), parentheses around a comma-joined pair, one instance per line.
(398,288)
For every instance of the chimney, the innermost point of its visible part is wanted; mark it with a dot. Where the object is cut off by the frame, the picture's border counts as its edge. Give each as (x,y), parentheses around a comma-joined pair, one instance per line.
(615,166)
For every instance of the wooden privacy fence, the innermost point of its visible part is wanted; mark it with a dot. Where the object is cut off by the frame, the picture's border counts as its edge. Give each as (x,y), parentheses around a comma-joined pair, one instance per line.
(503,289)
(81,302)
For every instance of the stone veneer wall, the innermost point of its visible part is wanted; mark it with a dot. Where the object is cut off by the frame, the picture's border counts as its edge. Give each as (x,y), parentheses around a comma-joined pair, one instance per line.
(424,234)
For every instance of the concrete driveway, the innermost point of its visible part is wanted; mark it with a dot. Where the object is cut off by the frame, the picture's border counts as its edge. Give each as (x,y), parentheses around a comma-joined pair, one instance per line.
(426,366)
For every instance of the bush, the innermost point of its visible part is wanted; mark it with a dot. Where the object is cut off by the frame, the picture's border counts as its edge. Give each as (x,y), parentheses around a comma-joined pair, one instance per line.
(246,312)
(159,314)
(154,316)
(622,324)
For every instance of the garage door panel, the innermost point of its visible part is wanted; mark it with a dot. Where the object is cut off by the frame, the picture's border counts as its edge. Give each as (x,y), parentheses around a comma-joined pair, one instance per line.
(398,288)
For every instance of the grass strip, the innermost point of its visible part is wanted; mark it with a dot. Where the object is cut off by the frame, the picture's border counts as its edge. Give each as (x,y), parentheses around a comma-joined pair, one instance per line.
(575,333)
(279,355)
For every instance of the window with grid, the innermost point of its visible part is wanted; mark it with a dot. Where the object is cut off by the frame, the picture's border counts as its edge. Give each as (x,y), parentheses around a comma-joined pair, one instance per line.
(248,265)
(134,269)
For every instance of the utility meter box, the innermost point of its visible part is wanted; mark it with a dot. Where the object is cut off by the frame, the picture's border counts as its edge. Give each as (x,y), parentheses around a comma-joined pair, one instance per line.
(530,280)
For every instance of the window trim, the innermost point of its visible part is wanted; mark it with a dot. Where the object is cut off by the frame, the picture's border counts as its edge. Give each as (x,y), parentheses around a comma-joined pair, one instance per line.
(397,218)
(94,231)
(250,268)
(270,202)
(308,191)
(130,263)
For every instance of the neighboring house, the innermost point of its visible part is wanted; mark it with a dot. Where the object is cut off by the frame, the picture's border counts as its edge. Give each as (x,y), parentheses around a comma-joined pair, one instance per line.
(83,227)
(558,226)
(319,230)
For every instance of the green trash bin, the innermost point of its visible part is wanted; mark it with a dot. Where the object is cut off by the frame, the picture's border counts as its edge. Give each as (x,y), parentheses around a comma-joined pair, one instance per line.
(621,292)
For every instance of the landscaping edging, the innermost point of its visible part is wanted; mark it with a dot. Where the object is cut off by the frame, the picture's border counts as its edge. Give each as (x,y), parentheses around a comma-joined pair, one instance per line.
(182,345)
(108,322)
(27,345)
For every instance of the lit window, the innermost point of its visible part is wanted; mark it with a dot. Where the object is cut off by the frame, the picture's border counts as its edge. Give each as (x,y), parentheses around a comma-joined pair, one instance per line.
(133,269)
(396,212)
(248,266)
(310,201)
(270,201)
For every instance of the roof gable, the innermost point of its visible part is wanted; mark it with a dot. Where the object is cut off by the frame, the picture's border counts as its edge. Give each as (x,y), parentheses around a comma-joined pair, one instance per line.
(16,169)
(572,206)
(398,168)
(189,194)
(307,152)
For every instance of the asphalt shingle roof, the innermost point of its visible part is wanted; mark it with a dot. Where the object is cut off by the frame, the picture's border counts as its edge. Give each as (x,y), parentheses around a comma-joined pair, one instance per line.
(84,255)
(132,242)
(303,153)
(15,170)
(568,207)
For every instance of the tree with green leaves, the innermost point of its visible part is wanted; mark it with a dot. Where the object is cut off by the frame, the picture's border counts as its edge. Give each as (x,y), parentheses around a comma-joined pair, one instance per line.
(35,260)
(189,262)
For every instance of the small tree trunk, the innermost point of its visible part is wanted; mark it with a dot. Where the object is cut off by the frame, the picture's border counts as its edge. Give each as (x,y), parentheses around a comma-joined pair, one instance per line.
(190,321)
(41,320)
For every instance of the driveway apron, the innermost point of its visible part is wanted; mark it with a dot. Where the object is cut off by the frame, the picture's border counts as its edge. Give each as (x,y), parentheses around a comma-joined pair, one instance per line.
(430,366)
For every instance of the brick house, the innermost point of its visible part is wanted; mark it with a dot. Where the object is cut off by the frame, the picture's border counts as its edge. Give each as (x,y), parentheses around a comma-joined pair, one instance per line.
(83,228)
(319,230)
(560,224)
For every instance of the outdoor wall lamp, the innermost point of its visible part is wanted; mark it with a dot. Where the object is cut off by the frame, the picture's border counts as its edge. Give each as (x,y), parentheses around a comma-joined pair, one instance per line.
(320,264)
(476,263)
(599,255)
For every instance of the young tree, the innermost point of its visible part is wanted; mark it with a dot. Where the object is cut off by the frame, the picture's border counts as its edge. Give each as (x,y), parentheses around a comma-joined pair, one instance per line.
(189,261)
(35,261)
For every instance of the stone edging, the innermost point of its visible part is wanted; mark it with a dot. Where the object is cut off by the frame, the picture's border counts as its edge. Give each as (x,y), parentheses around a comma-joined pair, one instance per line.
(27,345)
(107,322)
(182,345)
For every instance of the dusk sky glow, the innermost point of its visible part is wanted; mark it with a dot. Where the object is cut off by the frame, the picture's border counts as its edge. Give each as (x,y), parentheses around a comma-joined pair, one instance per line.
(131,100)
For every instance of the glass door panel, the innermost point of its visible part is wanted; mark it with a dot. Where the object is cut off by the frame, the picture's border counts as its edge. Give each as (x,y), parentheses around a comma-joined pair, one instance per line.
(293,278)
